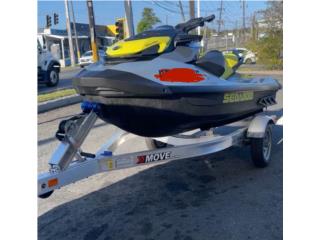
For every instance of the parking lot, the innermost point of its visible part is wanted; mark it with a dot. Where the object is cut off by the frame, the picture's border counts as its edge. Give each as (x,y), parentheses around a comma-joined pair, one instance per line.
(221,196)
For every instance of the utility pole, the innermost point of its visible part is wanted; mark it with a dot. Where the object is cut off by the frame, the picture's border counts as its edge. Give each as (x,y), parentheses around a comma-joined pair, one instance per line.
(191,12)
(191,8)
(75,30)
(220,17)
(253,30)
(244,19)
(166,19)
(198,15)
(95,56)
(204,41)
(181,10)
(236,34)
(129,17)
(226,41)
(73,62)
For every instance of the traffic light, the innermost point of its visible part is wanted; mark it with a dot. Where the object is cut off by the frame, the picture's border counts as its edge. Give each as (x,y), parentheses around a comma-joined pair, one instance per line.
(55,18)
(48,23)
(120,28)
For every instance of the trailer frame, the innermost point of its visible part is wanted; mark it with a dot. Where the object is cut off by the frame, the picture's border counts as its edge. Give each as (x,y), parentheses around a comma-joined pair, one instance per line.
(70,164)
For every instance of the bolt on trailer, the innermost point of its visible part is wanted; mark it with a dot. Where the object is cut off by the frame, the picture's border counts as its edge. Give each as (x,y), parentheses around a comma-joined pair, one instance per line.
(70,164)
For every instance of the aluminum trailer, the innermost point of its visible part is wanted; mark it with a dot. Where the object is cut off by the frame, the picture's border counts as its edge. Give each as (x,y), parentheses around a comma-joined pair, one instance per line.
(70,164)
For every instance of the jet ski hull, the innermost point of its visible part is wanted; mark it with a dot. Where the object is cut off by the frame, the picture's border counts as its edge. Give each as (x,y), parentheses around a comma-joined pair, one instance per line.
(150,107)
(155,117)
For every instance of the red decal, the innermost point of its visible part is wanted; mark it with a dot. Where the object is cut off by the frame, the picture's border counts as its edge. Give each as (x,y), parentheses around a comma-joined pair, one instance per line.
(154,157)
(179,75)
(141,159)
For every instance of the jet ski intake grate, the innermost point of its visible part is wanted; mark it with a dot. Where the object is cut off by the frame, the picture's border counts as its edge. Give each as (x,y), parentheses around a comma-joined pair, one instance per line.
(267,101)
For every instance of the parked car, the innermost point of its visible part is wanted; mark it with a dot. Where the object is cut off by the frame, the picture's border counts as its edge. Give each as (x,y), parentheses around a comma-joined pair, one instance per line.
(48,67)
(248,56)
(86,58)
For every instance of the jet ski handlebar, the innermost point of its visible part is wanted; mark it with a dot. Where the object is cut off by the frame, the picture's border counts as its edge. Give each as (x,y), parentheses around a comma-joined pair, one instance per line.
(194,23)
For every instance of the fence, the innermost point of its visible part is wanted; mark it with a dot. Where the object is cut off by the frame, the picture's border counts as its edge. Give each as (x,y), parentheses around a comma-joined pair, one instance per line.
(223,42)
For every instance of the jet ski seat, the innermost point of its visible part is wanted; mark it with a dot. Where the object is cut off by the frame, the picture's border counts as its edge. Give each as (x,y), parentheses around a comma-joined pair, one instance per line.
(213,62)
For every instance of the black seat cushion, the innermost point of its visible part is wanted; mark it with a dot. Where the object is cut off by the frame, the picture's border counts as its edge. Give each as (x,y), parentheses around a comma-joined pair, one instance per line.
(212,62)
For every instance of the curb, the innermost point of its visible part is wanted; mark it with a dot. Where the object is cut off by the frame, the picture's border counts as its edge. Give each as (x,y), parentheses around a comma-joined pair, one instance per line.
(54,90)
(68,69)
(61,102)
(263,72)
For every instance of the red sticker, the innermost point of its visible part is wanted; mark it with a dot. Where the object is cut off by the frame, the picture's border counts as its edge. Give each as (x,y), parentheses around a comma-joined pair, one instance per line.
(141,159)
(179,75)
(154,157)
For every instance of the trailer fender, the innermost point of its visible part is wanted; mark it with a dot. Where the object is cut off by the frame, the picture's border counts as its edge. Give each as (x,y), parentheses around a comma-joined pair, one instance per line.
(258,125)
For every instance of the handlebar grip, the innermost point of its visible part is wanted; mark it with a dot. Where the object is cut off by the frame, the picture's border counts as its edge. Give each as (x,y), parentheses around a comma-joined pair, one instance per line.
(209,18)
(193,23)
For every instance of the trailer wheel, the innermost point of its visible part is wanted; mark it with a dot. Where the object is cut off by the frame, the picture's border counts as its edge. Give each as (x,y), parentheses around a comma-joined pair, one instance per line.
(261,149)
(154,144)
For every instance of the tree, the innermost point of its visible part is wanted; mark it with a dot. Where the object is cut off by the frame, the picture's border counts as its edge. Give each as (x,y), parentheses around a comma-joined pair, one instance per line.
(269,47)
(148,20)
(274,17)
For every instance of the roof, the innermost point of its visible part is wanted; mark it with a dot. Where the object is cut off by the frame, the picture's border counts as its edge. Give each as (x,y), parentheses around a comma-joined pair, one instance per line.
(62,37)
(82,30)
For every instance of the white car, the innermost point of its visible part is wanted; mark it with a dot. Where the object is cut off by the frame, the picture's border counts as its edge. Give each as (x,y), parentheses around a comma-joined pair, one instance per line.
(248,56)
(86,58)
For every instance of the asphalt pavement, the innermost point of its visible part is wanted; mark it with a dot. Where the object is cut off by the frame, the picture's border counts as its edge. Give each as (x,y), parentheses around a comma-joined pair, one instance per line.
(64,83)
(222,196)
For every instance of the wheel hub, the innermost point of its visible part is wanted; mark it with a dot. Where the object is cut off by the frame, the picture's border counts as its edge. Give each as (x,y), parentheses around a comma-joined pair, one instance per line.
(267,145)
(53,77)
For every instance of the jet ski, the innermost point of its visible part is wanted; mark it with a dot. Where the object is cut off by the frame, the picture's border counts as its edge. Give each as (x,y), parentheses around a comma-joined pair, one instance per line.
(155,84)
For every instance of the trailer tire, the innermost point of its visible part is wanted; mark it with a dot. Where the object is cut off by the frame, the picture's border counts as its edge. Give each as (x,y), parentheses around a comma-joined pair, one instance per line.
(154,144)
(261,149)
(52,77)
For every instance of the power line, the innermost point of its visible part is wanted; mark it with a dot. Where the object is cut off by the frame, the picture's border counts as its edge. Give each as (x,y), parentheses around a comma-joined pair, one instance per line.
(165,8)
(182,13)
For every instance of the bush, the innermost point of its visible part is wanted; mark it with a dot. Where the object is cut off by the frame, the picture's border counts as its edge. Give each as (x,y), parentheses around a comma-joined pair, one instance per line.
(269,51)
(269,47)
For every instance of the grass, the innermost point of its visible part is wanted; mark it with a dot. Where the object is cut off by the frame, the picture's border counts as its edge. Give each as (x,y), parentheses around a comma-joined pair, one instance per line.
(248,69)
(246,75)
(54,95)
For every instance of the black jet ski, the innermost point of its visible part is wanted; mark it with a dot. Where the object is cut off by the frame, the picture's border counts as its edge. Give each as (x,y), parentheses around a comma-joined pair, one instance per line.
(154,84)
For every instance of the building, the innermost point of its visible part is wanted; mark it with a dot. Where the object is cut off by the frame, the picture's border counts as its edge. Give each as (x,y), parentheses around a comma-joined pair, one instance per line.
(56,40)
